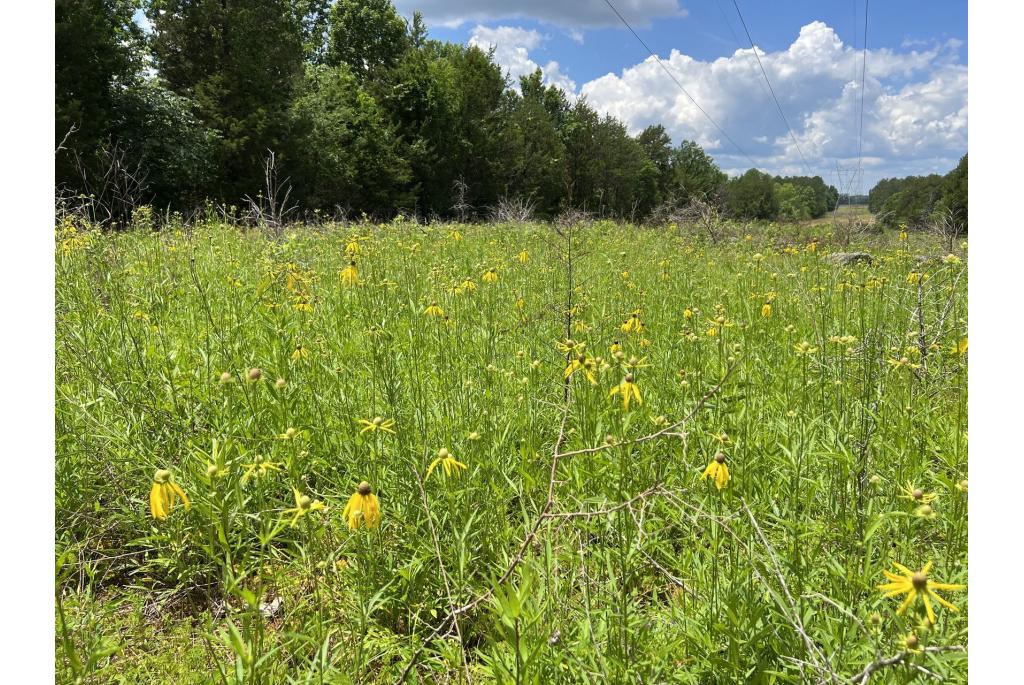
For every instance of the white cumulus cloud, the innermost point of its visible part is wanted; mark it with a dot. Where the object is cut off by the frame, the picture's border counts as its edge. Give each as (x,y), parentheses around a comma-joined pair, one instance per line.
(915,105)
(512,47)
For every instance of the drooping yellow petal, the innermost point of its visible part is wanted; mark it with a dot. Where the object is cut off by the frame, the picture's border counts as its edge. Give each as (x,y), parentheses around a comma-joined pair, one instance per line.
(903,569)
(372,511)
(722,477)
(181,493)
(928,607)
(932,585)
(352,511)
(910,598)
(156,506)
(941,601)
(430,469)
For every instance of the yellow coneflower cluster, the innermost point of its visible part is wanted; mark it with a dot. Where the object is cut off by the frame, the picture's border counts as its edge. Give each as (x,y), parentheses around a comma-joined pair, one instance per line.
(633,324)
(581,362)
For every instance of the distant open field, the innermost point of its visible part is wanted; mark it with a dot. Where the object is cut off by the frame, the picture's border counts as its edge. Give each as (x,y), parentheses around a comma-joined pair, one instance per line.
(844,213)
(461,453)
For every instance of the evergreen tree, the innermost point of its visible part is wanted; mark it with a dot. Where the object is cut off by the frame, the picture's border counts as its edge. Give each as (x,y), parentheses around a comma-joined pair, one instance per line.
(239,63)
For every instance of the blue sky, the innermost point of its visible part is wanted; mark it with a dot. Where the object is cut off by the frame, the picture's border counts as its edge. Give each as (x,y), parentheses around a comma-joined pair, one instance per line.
(915,99)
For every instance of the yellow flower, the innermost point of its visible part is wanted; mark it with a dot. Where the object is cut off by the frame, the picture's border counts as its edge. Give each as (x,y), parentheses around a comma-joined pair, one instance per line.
(289,434)
(917,495)
(352,248)
(628,391)
(633,324)
(766,310)
(490,276)
(570,346)
(804,348)
(433,310)
(300,352)
(455,235)
(913,584)
(903,363)
(303,505)
(615,348)
(581,363)
(903,235)
(687,313)
(469,285)
(350,275)
(717,471)
(164,494)
(448,463)
(524,257)
(633,363)
(377,423)
(301,303)
(961,347)
(260,466)
(363,508)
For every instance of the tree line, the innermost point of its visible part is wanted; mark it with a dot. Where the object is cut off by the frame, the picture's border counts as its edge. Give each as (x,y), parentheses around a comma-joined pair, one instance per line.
(364,113)
(920,201)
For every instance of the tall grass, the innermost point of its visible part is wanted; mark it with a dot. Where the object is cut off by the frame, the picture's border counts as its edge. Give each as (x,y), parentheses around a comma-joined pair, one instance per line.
(580,544)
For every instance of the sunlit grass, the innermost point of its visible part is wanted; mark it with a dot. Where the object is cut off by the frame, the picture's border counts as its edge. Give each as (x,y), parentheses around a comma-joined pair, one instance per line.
(439,370)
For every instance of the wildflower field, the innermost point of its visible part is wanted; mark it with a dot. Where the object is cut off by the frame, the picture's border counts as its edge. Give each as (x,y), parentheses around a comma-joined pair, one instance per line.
(509,453)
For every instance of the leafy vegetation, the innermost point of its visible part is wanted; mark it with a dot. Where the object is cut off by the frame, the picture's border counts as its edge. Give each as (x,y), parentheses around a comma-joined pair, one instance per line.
(364,114)
(920,201)
(531,407)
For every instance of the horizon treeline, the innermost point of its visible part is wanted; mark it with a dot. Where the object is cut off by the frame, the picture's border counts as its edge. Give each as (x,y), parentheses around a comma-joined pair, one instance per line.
(364,114)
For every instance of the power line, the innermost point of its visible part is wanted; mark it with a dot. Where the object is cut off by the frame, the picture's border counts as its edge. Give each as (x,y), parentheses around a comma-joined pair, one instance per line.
(680,85)
(772,90)
(863,72)
(736,39)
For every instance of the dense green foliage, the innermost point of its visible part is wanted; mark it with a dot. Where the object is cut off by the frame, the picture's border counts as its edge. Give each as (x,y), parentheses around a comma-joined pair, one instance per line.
(98,57)
(364,113)
(917,201)
(636,570)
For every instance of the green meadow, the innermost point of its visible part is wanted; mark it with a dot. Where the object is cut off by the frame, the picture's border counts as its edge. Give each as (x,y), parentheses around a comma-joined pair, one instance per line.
(580,452)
